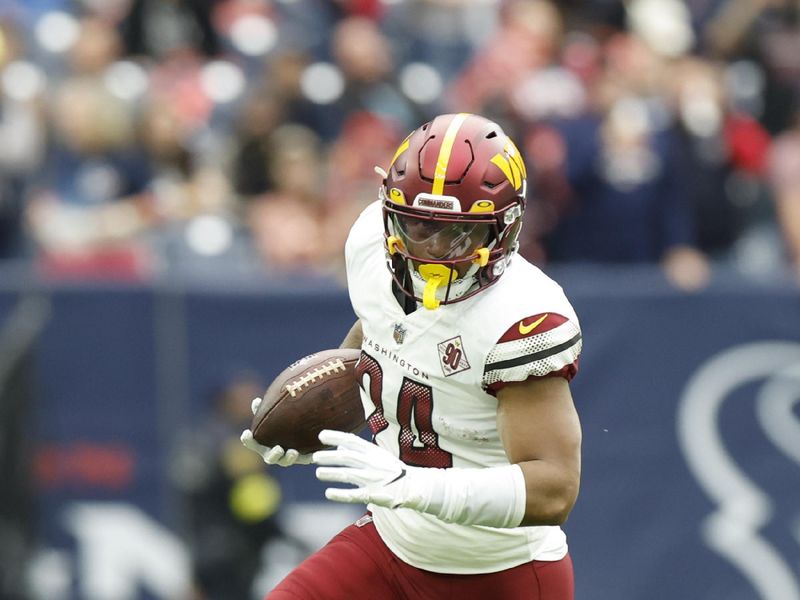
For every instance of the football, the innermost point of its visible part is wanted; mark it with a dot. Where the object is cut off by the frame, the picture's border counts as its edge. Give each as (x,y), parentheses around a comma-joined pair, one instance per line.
(314,393)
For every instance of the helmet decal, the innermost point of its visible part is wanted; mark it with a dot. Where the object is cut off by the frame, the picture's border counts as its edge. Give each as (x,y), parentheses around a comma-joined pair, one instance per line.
(510,163)
(438,202)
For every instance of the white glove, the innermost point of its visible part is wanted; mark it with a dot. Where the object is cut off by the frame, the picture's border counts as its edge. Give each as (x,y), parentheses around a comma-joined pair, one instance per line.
(380,477)
(275,455)
(493,496)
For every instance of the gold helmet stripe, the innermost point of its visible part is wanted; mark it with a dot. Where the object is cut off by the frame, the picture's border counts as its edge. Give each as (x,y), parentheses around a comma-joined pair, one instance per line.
(440,174)
(403,147)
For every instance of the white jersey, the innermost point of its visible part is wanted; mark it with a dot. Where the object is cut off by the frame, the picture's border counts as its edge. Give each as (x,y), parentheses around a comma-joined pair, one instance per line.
(428,380)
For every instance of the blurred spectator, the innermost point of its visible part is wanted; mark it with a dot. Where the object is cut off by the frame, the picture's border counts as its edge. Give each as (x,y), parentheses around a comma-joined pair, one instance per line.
(158,28)
(364,61)
(91,200)
(97,46)
(260,116)
(183,182)
(232,502)
(785,178)
(284,80)
(22,136)
(372,9)
(287,223)
(191,211)
(627,203)
(439,33)
(367,141)
(722,154)
(767,34)
(528,38)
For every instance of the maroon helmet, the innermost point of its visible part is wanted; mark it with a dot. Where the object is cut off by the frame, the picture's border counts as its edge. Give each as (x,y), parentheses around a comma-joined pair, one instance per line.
(453,199)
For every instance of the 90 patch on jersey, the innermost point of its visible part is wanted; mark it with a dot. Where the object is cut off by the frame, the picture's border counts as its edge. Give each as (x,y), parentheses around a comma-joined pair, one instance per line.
(452,357)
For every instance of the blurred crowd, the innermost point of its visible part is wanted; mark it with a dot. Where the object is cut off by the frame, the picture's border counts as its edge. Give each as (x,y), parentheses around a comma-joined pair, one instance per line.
(143,137)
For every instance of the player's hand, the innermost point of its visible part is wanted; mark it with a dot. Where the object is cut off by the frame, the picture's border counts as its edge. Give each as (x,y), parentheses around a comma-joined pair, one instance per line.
(379,477)
(276,455)
(494,497)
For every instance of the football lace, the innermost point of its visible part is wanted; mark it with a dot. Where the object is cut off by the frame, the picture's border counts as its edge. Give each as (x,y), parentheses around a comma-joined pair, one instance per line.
(332,366)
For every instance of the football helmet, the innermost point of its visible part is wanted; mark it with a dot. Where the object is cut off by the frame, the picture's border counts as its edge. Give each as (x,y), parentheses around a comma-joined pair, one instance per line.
(453,199)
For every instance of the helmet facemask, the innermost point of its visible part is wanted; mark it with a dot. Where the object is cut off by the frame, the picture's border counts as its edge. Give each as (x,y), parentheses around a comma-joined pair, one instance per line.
(439,257)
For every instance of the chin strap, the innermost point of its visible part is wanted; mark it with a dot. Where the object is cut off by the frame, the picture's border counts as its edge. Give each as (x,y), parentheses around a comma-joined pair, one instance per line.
(434,276)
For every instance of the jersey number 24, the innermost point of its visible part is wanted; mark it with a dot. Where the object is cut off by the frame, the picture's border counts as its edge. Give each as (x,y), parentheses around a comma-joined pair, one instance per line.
(415,400)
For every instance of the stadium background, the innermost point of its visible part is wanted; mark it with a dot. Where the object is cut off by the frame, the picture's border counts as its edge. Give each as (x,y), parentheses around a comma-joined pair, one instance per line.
(177,182)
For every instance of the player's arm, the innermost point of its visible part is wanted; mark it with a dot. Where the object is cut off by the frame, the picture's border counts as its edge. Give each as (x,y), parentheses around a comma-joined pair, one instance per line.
(541,433)
(354,337)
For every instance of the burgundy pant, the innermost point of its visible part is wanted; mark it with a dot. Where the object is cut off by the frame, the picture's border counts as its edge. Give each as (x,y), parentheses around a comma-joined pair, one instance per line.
(356,565)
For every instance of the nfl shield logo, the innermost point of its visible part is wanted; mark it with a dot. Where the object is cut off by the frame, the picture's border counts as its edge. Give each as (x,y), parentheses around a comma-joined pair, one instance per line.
(399,333)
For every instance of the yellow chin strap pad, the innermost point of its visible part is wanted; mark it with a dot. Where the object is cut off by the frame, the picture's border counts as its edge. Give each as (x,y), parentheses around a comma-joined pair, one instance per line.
(434,276)
(393,243)
(483,257)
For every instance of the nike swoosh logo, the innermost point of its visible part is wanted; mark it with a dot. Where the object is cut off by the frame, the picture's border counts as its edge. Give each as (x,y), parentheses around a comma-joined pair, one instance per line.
(526,329)
(402,474)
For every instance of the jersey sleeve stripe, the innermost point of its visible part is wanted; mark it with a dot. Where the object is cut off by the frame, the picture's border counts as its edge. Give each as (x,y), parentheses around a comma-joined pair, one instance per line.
(536,356)
(532,326)
(507,350)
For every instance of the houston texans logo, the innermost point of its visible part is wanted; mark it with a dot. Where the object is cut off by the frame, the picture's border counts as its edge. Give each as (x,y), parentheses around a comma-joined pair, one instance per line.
(734,529)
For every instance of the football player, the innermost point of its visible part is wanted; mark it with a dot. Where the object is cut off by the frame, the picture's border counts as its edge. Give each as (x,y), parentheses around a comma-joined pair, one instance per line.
(467,354)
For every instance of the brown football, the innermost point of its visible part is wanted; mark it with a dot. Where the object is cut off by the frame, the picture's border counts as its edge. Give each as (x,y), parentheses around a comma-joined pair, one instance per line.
(317,392)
